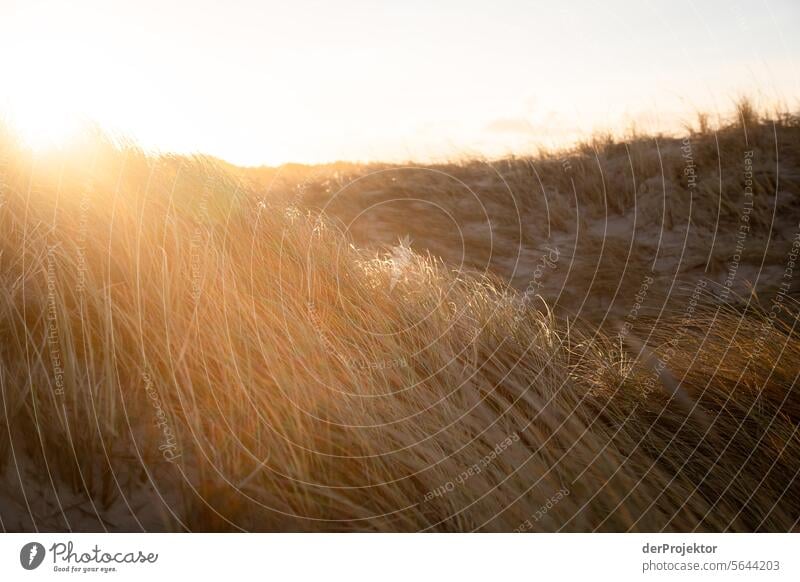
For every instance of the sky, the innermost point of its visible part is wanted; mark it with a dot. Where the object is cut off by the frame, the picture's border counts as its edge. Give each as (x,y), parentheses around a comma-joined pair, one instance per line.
(268,82)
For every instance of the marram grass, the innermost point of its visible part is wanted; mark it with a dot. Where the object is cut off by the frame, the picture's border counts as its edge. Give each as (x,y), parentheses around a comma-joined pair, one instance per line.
(180,352)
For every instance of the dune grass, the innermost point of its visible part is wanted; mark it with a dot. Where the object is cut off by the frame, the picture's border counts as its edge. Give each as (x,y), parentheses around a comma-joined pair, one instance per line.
(190,346)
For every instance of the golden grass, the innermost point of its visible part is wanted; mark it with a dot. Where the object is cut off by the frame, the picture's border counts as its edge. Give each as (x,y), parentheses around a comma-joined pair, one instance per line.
(182,350)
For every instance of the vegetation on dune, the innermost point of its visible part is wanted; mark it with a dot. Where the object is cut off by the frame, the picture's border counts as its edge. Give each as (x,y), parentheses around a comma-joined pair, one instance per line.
(618,211)
(190,346)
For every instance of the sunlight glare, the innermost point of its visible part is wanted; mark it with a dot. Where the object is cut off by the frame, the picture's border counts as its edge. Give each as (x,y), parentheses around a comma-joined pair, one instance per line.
(43,125)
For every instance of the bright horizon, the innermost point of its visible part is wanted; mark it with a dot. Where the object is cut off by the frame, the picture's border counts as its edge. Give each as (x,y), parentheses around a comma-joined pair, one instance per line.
(267,83)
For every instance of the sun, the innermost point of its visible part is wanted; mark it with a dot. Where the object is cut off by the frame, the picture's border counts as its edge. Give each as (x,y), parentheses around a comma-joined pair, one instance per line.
(42,99)
(42,124)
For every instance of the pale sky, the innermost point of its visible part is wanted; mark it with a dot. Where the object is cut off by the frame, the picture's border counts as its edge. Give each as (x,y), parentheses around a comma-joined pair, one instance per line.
(267,82)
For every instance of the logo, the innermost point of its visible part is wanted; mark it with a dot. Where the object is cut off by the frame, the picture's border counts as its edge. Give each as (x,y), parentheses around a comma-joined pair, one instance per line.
(31,555)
